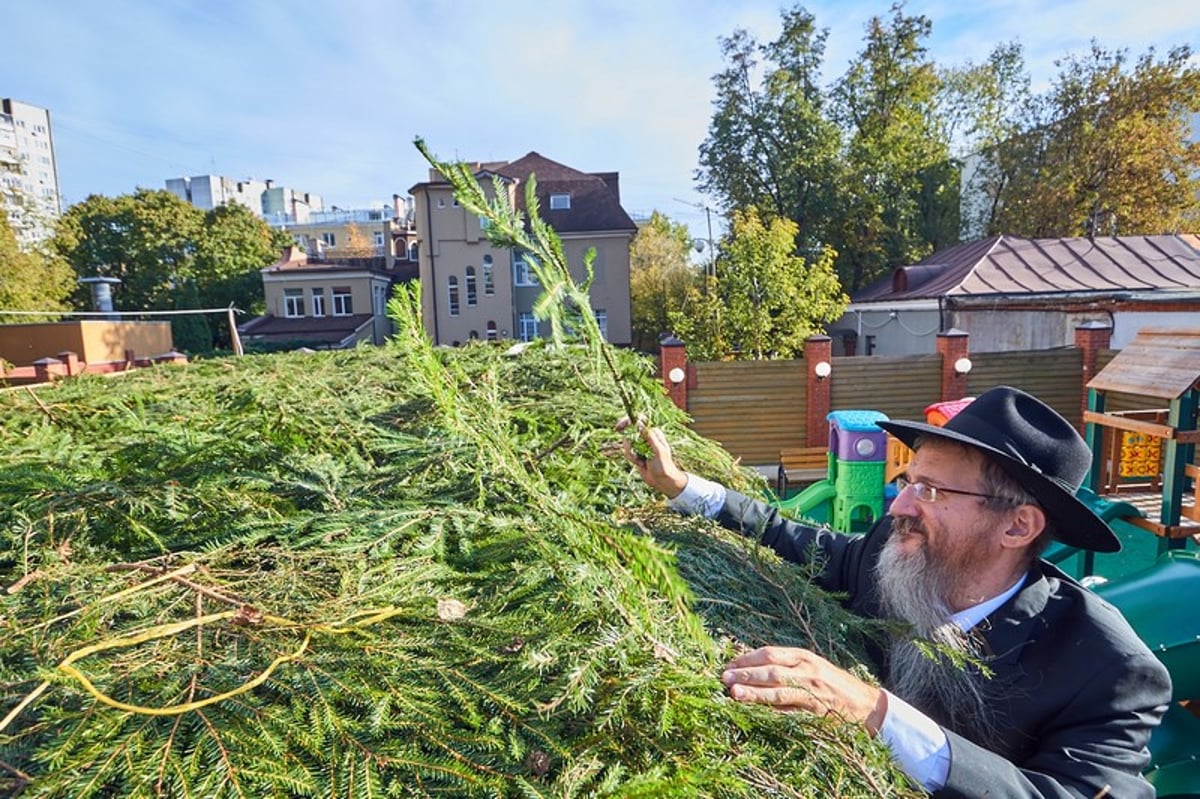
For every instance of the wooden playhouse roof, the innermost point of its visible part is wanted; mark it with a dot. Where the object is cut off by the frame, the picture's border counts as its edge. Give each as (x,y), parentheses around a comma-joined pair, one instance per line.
(1159,363)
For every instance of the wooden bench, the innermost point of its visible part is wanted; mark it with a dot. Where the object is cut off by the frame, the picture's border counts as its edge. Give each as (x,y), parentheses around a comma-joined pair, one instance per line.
(801,465)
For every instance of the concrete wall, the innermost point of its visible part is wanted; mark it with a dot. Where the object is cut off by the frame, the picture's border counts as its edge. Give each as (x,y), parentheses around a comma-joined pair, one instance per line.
(94,341)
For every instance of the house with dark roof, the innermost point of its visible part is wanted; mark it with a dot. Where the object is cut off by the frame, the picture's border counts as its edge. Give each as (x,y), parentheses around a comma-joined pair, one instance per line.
(324,304)
(1013,293)
(472,289)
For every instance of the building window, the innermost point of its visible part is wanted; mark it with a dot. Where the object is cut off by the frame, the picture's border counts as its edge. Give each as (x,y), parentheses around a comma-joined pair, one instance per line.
(528,326)
(452,285)
(329,239)
(318,301)
(560,202)
(491,331)
(441,202)
(412,252)
(473,335)
(343,302)
(489,277)
(602,321)
(522,274)
(472,294)
(293,303)
(378,238)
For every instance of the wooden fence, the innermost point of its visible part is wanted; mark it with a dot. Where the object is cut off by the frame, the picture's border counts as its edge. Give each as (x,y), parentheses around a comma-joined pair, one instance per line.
(756,408)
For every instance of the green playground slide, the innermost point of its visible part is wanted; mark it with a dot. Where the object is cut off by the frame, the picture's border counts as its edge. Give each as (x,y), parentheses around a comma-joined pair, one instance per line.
(813,503)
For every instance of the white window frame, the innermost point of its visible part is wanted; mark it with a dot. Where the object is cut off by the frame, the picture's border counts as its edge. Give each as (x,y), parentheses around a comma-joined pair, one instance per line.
(318,302)
(293,303)
(343,301)
(560,202)
(452,295)
(527,326)
(329,239)
(522,273)
(601,321)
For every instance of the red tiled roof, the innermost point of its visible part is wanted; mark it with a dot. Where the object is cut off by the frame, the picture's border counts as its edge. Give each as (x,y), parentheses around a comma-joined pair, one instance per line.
(1007,265)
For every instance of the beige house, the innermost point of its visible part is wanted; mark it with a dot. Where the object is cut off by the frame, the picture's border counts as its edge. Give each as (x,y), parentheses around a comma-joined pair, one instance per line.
(473,290)
(332,305)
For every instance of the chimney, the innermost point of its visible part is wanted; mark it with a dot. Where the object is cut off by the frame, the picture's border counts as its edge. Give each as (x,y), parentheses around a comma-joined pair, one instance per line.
(102,294)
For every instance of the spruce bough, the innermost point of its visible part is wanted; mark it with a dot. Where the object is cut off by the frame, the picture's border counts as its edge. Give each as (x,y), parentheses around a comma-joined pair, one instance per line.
(401,571)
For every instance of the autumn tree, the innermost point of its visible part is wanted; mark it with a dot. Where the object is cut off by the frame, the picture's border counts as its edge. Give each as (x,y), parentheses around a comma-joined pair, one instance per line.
(660,274)
(1106,151)
(30,280)
(764,300)
(358,245)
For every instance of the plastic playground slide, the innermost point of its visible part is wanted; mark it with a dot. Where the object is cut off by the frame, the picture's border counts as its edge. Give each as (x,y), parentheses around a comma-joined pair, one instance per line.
(813,503)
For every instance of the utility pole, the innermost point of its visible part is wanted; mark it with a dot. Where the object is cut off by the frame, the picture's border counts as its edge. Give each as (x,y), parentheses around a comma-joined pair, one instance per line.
(710,269)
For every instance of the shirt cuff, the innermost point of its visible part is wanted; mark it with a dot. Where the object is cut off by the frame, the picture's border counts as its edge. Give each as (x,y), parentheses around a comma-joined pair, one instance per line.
(918,744)
(699,497)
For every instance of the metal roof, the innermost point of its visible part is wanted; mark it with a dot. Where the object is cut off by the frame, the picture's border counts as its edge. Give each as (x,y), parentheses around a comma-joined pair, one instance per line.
(1007,265)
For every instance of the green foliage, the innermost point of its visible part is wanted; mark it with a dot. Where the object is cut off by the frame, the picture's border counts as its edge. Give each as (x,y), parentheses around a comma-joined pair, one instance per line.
(1106,151)
(660,273)
(30,281)
(455,591)
(861,166)
(765,300)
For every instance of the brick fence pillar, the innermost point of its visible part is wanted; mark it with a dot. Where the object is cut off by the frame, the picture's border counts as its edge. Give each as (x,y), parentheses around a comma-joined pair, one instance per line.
(953,345)
(46,369)
(675,371)
(1090,338)
(817,350)
(70,362)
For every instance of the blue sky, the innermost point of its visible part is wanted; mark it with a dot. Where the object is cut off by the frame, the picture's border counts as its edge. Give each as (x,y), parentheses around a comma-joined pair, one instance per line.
(326,95)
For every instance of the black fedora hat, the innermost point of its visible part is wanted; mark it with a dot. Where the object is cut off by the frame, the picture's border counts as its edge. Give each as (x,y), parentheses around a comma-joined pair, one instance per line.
(1034,444)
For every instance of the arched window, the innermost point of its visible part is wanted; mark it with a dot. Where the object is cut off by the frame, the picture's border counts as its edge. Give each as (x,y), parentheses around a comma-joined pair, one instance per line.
(473,335)
(491,331)
(489,277)
(413,252)
(472,296)
(452,284)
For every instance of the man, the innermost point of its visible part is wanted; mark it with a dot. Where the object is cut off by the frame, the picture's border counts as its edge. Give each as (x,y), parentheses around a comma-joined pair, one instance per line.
(1058,697)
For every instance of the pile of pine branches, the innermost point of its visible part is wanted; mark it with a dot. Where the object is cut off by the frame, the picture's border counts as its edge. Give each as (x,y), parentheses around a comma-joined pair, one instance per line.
(402,571)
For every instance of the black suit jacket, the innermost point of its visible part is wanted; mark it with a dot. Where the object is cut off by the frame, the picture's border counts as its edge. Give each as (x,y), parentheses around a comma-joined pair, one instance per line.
(1080,691)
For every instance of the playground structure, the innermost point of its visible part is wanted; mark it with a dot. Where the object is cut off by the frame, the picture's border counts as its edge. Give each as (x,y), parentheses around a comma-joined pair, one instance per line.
(1143,480)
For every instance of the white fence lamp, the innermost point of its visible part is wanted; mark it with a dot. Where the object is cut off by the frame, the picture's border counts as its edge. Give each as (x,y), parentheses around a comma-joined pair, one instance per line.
(822,369)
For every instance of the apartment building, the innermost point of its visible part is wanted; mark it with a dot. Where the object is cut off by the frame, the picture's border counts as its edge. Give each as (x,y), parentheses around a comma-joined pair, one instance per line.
(474,290)
(29,191)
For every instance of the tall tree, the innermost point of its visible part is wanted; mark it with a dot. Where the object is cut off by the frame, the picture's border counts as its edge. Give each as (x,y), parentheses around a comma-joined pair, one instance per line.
(30,280)
(770,144)
(900,193)
(660,273)
(983,106)
(1106,151)
(765,300)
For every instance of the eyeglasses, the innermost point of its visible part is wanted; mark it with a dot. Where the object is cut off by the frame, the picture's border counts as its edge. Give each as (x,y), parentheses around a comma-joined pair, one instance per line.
(927,493)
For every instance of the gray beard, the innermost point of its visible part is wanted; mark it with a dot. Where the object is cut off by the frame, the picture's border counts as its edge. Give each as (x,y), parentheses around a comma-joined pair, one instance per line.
(913,589)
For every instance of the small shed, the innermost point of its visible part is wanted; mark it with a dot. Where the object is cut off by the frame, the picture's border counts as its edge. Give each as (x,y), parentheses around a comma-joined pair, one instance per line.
(1150,455)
